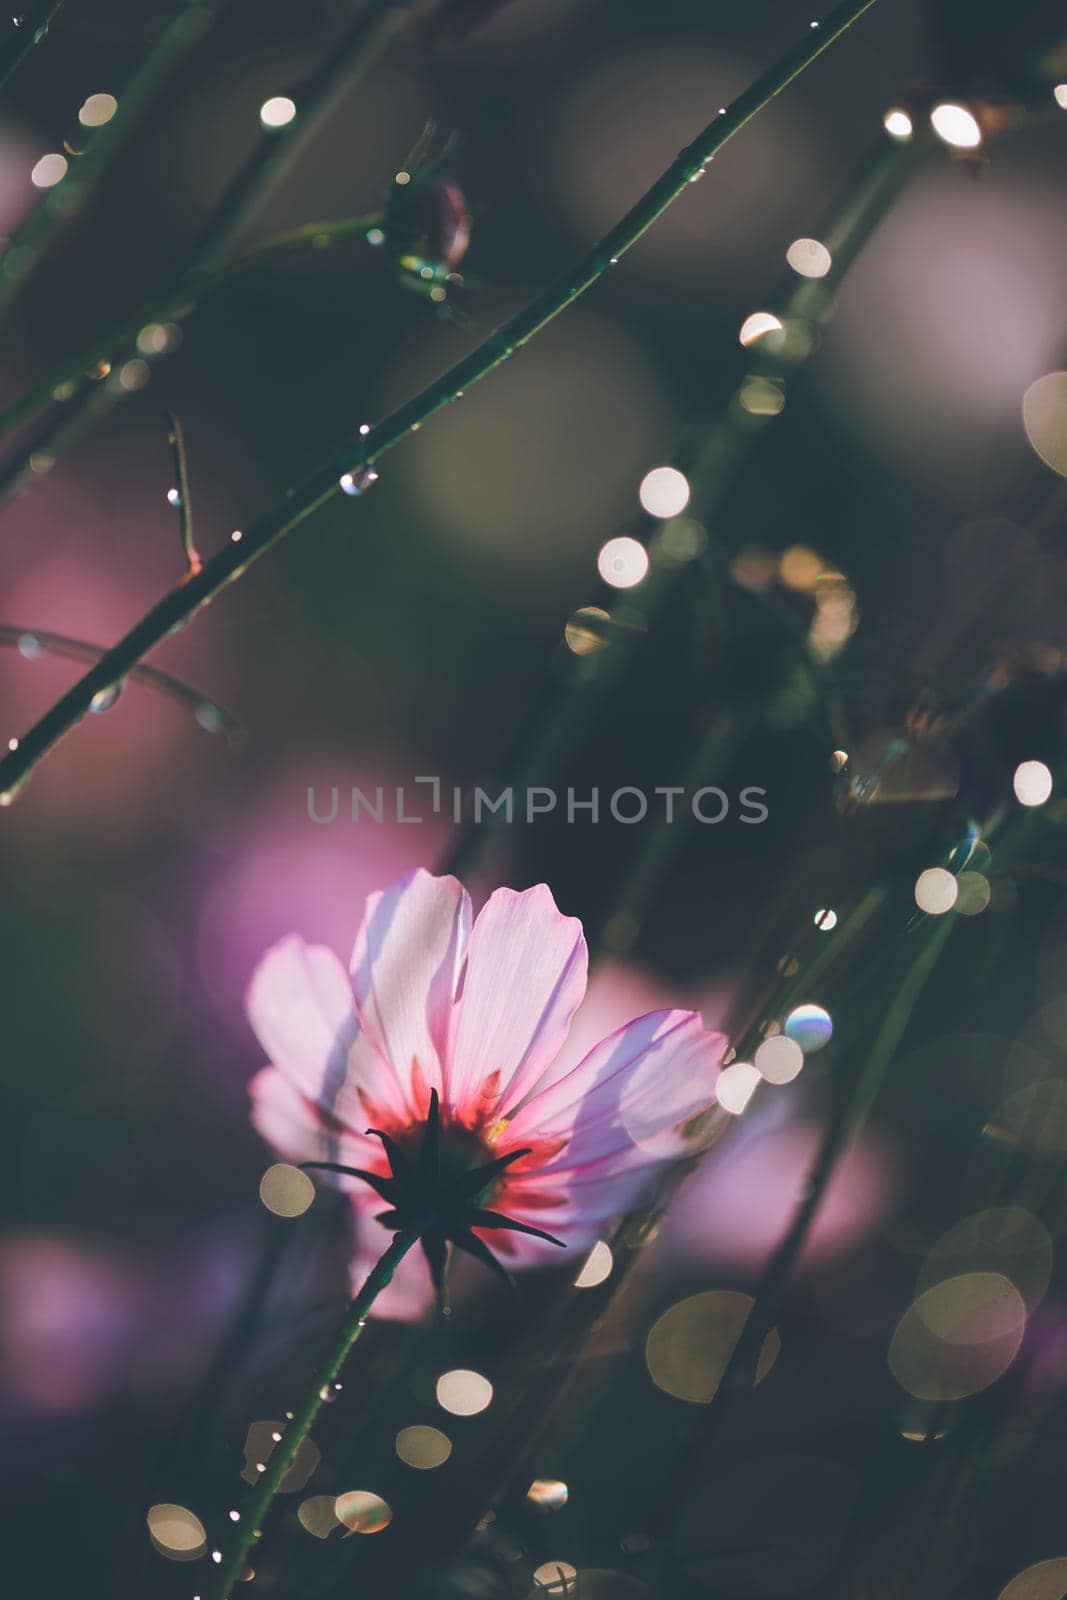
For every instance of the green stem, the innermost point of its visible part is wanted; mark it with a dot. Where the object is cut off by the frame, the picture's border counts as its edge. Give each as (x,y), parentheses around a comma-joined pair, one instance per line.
(276,153)
(740,1370)
(176,436)
(24,34)
(68,196)
(279,151)
(178,303)
(179,605)
(724,450)
(259,1501)
(210,715)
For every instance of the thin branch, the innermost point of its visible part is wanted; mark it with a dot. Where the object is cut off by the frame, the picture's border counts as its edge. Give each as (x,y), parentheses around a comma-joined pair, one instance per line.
(276,153)
(25,32)
(179,495)
(279,150)
(230,562)
(64,199)
(34,642)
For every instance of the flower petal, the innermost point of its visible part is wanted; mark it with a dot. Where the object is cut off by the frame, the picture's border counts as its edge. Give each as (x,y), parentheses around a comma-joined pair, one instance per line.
(525,978)
(629,1104)
(405,970)
(299,1131)
(302,1009)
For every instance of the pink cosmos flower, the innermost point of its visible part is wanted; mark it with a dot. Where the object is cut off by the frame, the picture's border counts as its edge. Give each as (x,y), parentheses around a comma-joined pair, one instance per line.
(439,1022)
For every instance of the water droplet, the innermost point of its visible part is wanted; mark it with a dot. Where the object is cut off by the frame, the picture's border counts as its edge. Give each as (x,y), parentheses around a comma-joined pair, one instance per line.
(359,481)
(174,497)
(210,717)
(104,699)
(364,427)
(236,536)
(30,646)
(375,236)
(235,1516)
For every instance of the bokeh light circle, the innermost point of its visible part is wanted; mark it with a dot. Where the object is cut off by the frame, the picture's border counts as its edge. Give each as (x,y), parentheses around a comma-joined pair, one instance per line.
(360,1511)
(664,492)
(810,1027)
(735,1086)
(176,1532)
(285,1190)
(688,1347)
(1045,1580)
(1045,419)
(622,562)
(958,1337)
(936,890)
(1032,783)
(956,125)
(464,1393)
(1001,1239)
(423,1447)
(779,1059)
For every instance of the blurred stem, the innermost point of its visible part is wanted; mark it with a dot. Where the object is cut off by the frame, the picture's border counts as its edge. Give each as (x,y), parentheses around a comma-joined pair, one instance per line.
(235,558)
(276,154)
(722,453)
(279,150)
(259,1501)
(739,1374)
(25,32)
(61,202)
(177,304)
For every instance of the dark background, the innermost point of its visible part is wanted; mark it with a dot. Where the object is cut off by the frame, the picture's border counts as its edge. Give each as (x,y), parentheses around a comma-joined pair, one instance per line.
(149,864)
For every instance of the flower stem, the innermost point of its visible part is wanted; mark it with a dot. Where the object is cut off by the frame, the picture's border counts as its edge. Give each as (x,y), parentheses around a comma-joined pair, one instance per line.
(233,560)
(67,197)
(259,1501)
(24,33)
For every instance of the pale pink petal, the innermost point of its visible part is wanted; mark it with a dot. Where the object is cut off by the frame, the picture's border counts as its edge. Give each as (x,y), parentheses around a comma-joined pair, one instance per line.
(405,970)
(525,978)
(302,1009)
(298,1131)
(410,1294)
(630,1102)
